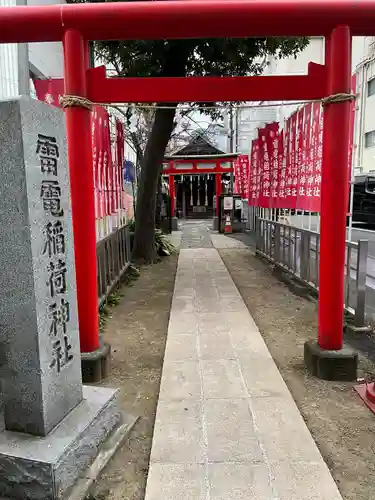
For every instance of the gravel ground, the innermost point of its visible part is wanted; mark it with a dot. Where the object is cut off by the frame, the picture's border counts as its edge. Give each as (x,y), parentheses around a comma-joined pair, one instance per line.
(340,423)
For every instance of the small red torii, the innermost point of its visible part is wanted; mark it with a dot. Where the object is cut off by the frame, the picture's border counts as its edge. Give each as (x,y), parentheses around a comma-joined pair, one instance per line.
(75,25)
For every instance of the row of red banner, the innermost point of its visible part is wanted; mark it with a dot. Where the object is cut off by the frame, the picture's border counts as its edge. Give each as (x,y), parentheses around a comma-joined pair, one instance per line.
(284,169)
(107,160)
(285,165)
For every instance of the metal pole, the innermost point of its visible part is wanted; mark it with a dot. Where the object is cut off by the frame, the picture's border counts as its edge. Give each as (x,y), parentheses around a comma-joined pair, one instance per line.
(172,194)
(231,146)
(350,228)
(78,125)
(218,193)
(334,201)
(362,255)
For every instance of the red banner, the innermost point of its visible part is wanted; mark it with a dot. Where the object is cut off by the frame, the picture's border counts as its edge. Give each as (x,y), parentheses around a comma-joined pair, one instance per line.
(283,163)
(273,152)
(305,194)
(120,157)
(286,166)
(265,172)
(106,171)
(254,174)
(292,164)
(241,173)
(237,180)
(281,171)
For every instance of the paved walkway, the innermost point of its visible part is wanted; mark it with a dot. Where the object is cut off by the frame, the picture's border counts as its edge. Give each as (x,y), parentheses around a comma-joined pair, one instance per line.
(195,234)
(226,427)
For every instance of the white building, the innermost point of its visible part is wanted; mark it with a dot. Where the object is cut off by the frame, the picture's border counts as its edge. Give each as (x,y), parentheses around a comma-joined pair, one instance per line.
(246,121)
(20,62)
(364,128)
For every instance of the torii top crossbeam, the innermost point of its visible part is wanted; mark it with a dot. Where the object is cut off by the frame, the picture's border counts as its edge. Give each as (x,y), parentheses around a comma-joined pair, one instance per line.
(186,19)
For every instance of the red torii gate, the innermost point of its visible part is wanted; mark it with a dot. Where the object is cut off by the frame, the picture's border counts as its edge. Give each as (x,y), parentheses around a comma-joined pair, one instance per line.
(196,165)
(75,25)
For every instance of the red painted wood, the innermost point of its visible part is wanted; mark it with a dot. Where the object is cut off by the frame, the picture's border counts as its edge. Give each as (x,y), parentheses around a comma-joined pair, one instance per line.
(334,199)
(182,19)
(78,125)
(207,89)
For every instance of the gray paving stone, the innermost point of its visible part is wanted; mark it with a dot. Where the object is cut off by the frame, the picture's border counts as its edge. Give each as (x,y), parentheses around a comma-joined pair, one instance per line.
(176,482)
(181,347)
(178,433)
(195,236)
(175,238)
(231,303)
(184,292)
(184,304)
(249,343)
(183,323)
(262,378)
(230,431)
(215,345)
(238,481)
(222,241)
(241,319)
(205,306)
(222,380)
(181,380)
(212,322)
(282,431)
(303,481)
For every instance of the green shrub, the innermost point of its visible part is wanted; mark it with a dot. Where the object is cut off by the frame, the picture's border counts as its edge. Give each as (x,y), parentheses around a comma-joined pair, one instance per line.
(162,242)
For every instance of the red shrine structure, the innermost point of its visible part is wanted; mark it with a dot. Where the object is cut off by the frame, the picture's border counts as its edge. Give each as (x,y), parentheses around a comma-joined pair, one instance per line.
(195,175)
(75,25)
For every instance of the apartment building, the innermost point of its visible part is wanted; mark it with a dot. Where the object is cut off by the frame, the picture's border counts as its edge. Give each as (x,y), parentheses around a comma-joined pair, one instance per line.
(242,127)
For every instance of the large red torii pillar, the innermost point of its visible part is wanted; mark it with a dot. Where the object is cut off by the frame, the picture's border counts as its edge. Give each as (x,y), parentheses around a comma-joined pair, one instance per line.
(78,125)
(327,358)
(75,24)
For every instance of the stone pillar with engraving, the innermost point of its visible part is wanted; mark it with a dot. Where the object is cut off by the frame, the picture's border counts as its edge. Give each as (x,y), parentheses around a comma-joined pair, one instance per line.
(53,427)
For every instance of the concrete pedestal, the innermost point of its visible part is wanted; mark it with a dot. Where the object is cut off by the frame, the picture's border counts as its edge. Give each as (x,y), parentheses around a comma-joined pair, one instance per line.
(330,365)
(215,223)
(174,224)
(46,468)
(96,365)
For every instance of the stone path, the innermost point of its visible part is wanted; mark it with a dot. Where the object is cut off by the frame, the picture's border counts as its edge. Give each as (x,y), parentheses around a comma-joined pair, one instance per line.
(226,427)
(195,234)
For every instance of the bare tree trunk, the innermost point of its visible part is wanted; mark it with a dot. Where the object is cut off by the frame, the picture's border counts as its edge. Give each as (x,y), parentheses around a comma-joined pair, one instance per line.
(144,239)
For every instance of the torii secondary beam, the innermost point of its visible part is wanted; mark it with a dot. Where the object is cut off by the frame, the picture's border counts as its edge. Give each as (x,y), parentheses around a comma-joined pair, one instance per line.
(207,89)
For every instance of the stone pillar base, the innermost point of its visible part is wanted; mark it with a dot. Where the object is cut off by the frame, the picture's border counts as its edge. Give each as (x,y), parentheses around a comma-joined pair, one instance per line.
(338,366)
(48,467)
(174,224)
(215,223)
(96,365)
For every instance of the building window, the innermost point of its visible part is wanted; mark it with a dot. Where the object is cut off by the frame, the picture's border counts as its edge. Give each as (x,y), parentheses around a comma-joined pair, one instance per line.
(370,184)
(371,87)
(370,139)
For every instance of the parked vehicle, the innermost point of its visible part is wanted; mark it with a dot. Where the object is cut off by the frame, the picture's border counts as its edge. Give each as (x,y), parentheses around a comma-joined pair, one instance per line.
(364,199)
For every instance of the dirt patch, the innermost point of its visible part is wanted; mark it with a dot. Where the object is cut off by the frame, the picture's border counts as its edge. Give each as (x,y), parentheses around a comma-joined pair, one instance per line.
(137,332)
(341,425)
